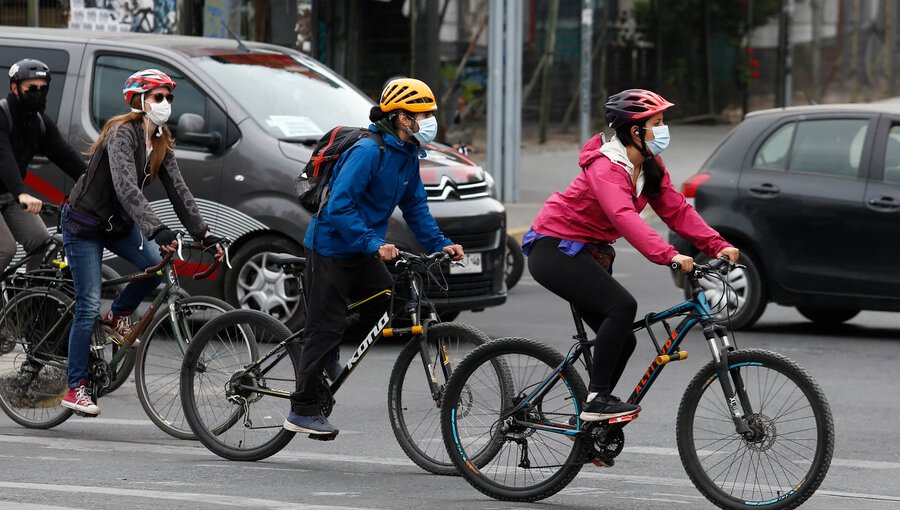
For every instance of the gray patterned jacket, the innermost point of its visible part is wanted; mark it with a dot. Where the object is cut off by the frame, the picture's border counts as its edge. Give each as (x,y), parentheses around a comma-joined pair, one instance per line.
(112,188)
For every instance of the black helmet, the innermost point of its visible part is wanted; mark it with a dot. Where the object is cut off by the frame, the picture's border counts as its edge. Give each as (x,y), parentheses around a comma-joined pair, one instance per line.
(27,69)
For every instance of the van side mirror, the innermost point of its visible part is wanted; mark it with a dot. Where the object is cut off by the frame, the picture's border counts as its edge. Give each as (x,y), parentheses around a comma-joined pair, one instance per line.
(191,129)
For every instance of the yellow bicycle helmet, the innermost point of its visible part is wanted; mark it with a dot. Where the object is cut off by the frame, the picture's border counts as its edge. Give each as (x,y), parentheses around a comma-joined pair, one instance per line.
(407,94)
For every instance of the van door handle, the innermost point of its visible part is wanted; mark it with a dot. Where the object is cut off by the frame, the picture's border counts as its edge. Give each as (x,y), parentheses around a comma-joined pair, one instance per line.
(39,160)
(764,190)
(884,204)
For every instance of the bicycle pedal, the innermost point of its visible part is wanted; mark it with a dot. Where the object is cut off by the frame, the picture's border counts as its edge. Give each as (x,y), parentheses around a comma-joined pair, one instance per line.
(624,419)
(323,437)
(604,462)
(86,415)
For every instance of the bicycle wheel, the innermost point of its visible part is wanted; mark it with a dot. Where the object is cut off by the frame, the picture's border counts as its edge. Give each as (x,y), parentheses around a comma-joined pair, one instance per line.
(237,413)
(159,358)
(790,453)
(414,411)
(33,373)
(507,451)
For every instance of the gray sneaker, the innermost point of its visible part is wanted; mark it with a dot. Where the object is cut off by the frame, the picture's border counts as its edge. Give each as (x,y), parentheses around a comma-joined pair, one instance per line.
(316,425)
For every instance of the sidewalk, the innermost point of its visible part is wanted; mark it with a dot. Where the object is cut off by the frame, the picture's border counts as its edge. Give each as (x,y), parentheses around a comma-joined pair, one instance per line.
(551,167)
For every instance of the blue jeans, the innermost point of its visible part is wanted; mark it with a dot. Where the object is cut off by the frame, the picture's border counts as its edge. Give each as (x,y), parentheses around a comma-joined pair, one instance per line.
(85,261)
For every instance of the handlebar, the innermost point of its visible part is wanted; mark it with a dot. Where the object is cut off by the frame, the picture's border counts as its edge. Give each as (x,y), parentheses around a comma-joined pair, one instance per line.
(192,245)
(47,209)
(720,265)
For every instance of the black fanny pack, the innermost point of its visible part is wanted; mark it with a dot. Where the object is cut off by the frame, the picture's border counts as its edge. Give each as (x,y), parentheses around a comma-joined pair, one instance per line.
(82,224)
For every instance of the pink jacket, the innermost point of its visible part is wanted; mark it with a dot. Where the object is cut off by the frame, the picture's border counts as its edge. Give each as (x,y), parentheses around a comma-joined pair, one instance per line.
(602,205)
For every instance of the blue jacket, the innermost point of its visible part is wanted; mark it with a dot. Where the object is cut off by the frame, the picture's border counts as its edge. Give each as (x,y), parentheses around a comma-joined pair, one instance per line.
(363,196)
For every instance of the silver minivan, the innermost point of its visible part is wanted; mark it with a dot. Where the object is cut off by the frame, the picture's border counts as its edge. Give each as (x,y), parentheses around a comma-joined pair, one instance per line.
(245,119)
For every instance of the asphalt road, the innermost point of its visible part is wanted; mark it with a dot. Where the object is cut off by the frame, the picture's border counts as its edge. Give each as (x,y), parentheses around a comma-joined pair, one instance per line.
(120,460)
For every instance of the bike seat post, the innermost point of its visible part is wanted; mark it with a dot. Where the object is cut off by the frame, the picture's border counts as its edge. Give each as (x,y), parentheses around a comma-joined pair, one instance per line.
(580,335)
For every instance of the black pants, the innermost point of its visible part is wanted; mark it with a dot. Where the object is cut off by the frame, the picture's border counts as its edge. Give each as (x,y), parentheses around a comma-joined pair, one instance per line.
(603,303)
(331,285)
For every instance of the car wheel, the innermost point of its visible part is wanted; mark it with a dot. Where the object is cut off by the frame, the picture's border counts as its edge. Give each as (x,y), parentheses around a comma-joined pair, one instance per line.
(746,295)
(827,316)
(255,283)
(515,262)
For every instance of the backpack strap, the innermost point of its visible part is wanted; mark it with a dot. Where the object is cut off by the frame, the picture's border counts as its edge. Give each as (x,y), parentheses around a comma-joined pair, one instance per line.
(379,139)
(4,105)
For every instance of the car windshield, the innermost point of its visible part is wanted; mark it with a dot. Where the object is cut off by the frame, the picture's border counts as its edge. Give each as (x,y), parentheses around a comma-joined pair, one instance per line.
(288,98)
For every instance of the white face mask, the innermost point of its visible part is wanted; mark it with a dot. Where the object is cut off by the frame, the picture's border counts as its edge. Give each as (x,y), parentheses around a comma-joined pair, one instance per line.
(159,112)
(428,129)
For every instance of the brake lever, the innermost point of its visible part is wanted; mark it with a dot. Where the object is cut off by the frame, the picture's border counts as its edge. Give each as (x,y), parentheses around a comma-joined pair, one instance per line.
(227,258)
(180,245)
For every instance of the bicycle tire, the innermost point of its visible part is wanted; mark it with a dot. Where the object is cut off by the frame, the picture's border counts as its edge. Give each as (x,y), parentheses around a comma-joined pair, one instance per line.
(225,431)
(414,414)
(157,374)
(481,473)
(33,398)
(762,372)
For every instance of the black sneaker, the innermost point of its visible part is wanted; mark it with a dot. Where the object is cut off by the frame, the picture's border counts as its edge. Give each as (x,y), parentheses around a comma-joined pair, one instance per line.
(604,407)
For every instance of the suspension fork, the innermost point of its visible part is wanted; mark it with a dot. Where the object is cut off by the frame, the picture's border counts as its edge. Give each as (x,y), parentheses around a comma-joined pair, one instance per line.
(736,394)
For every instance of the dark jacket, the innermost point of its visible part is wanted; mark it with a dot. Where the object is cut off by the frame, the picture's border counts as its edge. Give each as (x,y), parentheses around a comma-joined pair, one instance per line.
(19,144)
(113,186)
(363,196)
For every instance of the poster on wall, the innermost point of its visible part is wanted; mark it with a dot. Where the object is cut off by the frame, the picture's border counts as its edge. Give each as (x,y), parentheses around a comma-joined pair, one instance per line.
(150,16)
(215,17)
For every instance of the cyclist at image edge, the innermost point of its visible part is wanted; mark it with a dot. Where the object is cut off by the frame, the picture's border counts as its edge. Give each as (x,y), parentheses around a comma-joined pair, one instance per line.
(569,245)
(345,240)
(107,209)
(31,132)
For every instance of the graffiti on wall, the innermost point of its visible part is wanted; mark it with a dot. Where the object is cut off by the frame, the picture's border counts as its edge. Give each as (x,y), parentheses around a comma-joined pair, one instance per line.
(150,16)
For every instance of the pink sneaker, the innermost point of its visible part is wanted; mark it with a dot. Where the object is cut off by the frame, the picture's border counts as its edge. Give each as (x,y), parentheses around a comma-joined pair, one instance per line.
(79,399)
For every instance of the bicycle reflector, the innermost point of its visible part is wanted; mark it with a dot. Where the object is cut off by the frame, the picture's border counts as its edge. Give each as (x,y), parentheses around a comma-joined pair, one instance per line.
(689,187)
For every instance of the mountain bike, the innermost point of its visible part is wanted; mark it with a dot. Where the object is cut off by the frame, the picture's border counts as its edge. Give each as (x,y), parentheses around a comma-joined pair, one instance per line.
(753,428)
(52,263)
(33,375)
(236,403)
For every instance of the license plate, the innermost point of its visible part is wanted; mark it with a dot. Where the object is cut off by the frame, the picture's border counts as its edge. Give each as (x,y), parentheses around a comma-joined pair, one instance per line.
(472,265)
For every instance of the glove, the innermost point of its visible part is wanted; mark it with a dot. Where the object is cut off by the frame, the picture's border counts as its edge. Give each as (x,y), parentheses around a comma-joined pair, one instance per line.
(212,240)
(164,236)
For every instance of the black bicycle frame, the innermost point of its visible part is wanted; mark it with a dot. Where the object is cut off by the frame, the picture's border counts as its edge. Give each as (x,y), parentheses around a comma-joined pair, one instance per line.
(412,309)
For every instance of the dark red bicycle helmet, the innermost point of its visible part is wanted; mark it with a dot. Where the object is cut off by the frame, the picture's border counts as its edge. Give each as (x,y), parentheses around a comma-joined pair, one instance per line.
(632,105)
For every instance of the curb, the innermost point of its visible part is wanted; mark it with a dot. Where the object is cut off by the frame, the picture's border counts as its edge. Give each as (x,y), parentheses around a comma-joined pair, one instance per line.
(517,233)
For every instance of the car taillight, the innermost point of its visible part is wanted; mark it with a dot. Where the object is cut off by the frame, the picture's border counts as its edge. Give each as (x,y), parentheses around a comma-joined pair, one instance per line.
(689,187)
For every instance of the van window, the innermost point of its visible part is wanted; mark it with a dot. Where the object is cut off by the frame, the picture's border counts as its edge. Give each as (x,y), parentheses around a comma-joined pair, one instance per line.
(289,98)
(56,60)
(829,147)
(107,100)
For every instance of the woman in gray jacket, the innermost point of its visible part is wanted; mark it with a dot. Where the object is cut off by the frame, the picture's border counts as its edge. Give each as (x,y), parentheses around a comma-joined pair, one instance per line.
(107,209)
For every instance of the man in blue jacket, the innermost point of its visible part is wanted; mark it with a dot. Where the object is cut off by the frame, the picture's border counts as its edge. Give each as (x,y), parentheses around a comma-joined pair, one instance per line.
(345,240)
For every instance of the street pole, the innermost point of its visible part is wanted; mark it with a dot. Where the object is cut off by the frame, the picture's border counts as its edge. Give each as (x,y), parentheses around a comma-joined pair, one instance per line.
(587,35)
(504,95)
(33,13)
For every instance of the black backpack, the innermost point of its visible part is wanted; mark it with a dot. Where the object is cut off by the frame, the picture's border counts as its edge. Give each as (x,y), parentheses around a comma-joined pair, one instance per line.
(312,183)
(4,105)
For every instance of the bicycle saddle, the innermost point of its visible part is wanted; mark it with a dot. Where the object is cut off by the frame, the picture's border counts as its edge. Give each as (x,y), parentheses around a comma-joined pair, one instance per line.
(286,259)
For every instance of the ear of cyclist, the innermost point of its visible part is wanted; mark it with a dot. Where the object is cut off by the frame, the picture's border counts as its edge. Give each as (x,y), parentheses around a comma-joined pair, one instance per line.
(346,247)
(26,130)
(570,249)
(108,209)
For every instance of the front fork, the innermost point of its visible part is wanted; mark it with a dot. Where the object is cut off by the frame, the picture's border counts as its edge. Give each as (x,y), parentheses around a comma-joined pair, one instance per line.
(736,396)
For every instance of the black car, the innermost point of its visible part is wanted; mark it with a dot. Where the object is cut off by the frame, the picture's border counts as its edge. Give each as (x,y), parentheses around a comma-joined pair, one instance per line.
(811,196)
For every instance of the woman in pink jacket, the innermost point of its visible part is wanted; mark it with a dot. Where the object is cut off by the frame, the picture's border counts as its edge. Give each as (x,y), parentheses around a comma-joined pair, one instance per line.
(570,249)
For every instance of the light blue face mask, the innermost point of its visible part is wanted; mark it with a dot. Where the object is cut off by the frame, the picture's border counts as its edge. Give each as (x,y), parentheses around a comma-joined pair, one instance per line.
(660,140)
(428,129)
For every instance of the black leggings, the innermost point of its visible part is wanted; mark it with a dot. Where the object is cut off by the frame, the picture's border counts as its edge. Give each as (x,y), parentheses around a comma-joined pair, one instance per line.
(603,303)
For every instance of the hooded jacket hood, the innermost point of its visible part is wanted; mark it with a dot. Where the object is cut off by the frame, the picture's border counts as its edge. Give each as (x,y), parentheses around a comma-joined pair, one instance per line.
(613,150)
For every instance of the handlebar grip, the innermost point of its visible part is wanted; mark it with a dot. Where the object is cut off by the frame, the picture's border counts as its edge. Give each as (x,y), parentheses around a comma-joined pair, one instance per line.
(675,265)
